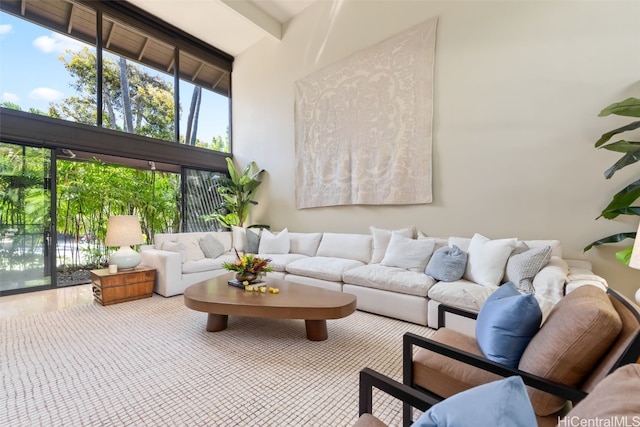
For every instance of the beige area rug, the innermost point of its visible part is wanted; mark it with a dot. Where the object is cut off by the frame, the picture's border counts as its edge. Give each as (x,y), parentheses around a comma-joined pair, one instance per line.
(152,363)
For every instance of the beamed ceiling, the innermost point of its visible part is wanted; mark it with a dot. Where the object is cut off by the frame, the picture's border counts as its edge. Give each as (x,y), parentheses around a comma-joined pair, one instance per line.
(79,22)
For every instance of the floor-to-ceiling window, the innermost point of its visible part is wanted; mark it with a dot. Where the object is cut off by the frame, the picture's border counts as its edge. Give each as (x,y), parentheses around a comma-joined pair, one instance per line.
(86,80)
(25,217)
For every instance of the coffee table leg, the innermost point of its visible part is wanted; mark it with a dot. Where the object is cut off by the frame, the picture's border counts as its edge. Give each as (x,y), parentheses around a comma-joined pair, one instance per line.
(316,330)
(217,322)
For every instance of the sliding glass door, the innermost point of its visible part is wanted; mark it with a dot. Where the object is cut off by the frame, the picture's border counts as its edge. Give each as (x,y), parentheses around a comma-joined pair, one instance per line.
(25,218)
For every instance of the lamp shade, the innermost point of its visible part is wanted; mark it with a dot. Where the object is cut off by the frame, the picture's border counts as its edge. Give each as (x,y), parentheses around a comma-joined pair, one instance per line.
(634,262)
(124,231)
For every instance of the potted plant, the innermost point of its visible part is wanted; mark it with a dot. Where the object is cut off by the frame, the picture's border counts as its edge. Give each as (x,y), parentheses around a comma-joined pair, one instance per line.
(238,191)
(622,201)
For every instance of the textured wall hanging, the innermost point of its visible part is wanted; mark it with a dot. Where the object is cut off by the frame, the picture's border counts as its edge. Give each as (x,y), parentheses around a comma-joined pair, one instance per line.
(363,125)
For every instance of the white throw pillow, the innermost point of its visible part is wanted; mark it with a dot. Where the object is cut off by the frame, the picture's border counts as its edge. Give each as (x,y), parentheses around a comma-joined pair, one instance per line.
(381,238)
(239,238)
(410,254)
(487,259)
(192,251)
(274,244)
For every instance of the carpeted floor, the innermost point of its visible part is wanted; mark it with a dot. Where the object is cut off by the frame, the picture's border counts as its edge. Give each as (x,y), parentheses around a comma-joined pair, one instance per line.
(151,363)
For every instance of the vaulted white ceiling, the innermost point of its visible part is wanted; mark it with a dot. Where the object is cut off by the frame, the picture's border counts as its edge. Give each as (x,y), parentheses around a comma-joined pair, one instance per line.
(230,25)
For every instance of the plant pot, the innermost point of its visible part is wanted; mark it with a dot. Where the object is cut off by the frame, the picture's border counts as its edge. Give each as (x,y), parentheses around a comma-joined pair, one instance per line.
(246,277)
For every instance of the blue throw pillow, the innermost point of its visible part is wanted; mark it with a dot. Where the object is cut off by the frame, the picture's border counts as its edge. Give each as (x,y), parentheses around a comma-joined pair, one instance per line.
(447,264)
(506,323)
(502,403)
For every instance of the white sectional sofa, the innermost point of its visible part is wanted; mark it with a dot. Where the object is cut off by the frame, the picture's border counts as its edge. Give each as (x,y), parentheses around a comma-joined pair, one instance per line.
(384,269)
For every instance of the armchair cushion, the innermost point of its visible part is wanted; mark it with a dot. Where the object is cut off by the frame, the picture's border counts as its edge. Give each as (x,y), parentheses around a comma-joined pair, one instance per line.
(615,397)
(578,331)
(445,376)
(506,323)
(500,403)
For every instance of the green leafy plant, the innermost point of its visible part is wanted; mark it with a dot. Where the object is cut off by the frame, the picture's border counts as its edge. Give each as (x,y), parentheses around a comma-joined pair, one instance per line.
(238,191)
(622,201)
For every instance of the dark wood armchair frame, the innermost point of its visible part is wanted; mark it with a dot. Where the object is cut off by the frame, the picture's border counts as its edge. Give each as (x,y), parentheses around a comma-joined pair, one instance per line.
(370,379)
(409,340)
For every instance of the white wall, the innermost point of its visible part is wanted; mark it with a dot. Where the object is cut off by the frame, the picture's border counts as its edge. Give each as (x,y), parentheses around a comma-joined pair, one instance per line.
(518,87)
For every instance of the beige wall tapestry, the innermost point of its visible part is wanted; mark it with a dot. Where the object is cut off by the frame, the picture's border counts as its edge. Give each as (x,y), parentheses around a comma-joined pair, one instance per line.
(363,125)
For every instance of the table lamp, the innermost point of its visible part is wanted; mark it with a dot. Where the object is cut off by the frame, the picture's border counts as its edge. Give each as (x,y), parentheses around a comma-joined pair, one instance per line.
(124,231)
(634,262)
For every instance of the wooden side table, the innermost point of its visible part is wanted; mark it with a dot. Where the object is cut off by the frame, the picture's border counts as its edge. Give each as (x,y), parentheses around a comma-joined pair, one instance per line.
(126,285)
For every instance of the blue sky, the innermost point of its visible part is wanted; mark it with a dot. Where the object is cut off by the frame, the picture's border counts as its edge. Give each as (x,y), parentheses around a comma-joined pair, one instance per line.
(32,76)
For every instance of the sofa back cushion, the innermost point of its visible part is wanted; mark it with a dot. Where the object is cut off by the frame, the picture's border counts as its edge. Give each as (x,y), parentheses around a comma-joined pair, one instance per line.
(304,243)
(348,246)
(223,236)
(578,332)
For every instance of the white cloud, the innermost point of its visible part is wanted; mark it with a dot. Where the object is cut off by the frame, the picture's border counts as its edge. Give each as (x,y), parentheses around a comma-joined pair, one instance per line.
(5,29)
(10,97)
(45,94)
(56,43)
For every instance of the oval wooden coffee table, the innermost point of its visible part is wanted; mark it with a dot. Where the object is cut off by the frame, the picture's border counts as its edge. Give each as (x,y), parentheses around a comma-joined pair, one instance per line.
(295,301)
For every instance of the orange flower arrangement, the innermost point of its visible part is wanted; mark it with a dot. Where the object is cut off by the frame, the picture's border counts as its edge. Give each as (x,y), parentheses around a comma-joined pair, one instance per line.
(248,264)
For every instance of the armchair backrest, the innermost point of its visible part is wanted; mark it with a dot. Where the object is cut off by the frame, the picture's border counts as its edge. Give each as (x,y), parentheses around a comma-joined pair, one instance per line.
(625,349)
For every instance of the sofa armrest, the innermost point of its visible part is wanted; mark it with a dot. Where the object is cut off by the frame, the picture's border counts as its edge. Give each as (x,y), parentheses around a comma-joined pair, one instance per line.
(409,340)
(370,379)
(168,267)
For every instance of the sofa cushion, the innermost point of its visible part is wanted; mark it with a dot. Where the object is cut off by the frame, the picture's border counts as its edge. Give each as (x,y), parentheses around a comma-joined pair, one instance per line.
(556,246)
(578,331)
(170,246)
(392,279)
(274,243)
(523,267)
(304,243)
(349,246)
(280,261)
(191,245)
(446,376)
(506,323)
(381,238)
(210,246)
(487,259)
(461,293)
(447,264)
(410,254)
(324,268)
(206,264)
(498,403)
(617,396)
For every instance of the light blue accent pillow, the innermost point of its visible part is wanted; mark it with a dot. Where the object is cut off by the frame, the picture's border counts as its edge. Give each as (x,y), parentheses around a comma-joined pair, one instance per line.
(447,264)
(507,321)
(502,403)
